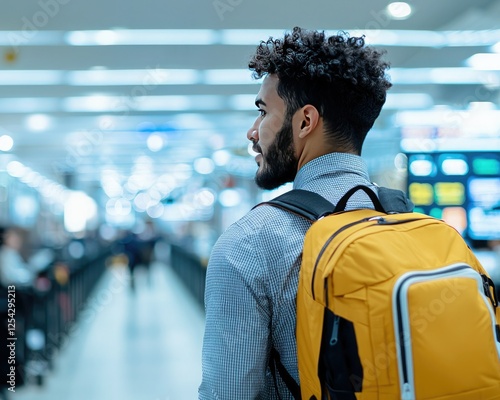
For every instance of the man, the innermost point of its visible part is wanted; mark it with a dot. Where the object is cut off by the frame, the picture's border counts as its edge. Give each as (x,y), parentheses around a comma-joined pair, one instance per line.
(319,98)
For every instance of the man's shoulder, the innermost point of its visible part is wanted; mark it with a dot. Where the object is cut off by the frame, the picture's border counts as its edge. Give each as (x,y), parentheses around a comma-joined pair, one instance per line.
(265,222)
(265,217)
(265,236)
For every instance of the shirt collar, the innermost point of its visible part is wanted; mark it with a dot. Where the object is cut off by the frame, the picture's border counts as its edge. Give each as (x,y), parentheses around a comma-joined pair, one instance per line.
(328,164)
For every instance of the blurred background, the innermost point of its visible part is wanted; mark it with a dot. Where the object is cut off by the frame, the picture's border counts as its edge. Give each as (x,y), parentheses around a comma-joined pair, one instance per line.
(123,156)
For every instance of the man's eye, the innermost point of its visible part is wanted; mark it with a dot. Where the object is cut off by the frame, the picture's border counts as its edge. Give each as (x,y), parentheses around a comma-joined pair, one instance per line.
(261,112)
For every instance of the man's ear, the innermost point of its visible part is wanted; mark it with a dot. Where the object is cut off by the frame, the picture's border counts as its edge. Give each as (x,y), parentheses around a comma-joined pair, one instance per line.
(308,118)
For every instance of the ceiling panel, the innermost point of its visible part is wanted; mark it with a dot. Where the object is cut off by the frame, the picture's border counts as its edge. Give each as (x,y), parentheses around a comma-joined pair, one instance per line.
(33,37)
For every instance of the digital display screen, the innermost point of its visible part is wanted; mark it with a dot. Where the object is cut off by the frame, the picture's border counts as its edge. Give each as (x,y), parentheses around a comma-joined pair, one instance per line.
(462,188)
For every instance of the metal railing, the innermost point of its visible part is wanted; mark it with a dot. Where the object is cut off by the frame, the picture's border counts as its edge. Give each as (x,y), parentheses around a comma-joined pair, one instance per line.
(190,270)
(46,313)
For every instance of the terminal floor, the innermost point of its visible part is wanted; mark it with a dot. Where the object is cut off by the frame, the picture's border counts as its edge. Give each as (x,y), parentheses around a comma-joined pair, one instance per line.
(142,345)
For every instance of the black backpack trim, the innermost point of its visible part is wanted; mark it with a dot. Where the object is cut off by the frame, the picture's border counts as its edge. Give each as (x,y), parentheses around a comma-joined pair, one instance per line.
(276,364)
(339,369)
(304,203)
(313,206)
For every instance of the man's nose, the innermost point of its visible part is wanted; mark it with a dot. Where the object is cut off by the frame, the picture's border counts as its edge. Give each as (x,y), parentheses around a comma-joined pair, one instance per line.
(253,134)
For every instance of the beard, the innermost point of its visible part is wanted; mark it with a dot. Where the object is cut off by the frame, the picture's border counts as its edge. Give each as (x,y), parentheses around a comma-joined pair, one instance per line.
(279,164)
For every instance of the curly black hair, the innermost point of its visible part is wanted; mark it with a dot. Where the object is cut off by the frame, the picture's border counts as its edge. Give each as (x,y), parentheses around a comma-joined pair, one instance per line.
(340,76)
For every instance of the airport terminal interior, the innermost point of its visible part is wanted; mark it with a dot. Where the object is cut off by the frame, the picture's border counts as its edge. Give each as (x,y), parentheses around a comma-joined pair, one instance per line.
(124,156)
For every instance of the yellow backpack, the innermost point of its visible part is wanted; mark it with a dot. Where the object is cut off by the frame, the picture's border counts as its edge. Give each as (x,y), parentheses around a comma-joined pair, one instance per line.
(390,306)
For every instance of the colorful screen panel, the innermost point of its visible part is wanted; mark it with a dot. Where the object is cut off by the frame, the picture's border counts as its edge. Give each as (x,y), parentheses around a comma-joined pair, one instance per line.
(463,188)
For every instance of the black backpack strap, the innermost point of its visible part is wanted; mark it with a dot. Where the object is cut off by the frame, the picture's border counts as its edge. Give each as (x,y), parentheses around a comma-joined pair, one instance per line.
(313,206)
(276,364)
(307,204)
(341,205)
(394,200)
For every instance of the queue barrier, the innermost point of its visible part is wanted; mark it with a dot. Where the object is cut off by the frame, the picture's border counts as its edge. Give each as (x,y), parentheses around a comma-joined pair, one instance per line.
(190,269)
(45,316)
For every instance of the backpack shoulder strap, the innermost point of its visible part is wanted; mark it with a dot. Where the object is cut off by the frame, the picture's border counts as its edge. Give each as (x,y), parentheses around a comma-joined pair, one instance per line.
(341,205)
(307,204)
(313,206)
(276,364)
(394,200)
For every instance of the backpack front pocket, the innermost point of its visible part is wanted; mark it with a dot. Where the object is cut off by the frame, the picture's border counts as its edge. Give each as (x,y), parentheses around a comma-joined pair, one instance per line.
(443,342)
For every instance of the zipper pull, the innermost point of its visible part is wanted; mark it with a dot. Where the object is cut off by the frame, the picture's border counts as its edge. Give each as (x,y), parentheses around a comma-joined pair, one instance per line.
(407,392)
(335,331)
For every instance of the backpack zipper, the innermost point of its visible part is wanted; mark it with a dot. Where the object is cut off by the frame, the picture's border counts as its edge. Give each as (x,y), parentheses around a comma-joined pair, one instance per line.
(325,246)
(335,331)
(380,221)
(402,321)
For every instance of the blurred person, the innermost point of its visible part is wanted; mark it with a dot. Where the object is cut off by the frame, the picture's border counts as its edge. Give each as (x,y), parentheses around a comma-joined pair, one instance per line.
(14,269)
(319,98)
(147,242)
(18,275)
(131,248)
(138,247)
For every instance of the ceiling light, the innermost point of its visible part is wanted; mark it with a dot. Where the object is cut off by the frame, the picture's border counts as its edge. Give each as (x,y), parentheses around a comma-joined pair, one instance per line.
(437,117)
(484,61)
(204,166)
(482,106)
(25,105)
(38,122)
(141,202)
(228,77)
(496,48)
(6,143)
(142,37)
(404,38)
(112,188)
(229,198)
(408,101)
(29,38)
(156,210)
(164,103)
(399,10)
(205,197)
(96,103)
(221,157)
(79,209)
(442,76)
(155,142)
(105,38)
(144,79)
(243,37)
(33,179)
(16,169)
(247,36)
(31,77)
(179,103)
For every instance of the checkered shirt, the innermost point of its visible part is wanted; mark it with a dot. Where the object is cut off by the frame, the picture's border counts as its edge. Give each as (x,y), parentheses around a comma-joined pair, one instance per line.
(251,287)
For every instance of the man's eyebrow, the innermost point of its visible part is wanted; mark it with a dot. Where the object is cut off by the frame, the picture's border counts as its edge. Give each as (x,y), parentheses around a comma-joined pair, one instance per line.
(260,102)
